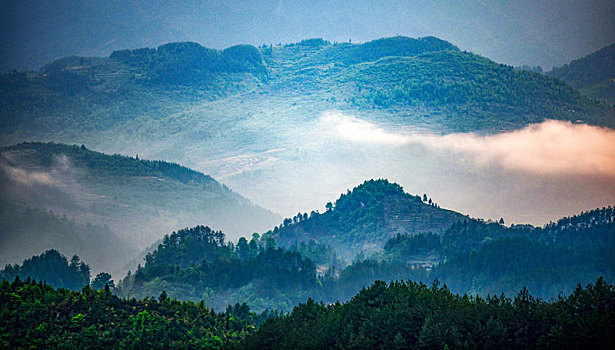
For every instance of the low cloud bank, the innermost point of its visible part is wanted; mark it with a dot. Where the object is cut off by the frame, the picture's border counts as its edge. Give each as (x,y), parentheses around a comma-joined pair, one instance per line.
(551,147)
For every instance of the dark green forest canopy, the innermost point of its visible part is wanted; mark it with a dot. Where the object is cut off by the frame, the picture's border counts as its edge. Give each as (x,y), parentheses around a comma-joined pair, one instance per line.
(53,268)
(197,263)
(35,315)
(402,315)
(414,316)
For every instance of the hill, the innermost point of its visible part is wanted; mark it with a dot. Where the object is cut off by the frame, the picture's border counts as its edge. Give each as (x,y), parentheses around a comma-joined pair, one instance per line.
(363,219)
(593,75)
(53,268)
(197,264)
(124,202)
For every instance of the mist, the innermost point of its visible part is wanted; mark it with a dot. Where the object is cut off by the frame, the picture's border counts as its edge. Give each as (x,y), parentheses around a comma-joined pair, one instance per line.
(533,175)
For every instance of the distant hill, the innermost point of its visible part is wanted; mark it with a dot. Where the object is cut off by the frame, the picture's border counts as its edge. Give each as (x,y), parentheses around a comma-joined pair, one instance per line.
(125,201)
(364,219)
(29,231)
(489,258)
(52,268)
(593,75)
(198,264)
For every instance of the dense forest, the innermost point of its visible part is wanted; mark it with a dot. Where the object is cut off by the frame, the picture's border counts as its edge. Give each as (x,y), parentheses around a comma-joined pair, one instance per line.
(471,256)
(35,315)
(197,264)
(401,315)
(409,315)
(492,286)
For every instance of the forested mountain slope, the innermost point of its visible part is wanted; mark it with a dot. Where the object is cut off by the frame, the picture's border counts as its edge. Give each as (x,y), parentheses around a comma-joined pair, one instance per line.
(126,201)
(427,80)
(593,75)
(364,219)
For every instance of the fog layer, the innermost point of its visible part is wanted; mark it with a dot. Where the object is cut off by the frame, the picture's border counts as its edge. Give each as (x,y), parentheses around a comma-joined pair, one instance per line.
(533,175)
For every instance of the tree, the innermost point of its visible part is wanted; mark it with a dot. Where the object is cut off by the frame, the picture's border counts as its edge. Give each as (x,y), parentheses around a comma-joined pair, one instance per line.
(101,280)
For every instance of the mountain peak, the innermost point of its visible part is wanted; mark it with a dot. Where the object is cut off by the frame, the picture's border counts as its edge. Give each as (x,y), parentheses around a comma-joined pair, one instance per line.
(365,218)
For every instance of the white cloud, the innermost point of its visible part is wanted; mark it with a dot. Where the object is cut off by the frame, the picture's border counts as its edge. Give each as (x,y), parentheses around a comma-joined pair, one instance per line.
(551,147)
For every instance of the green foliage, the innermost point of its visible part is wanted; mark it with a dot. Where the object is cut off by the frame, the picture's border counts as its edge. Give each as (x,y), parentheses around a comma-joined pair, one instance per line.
(190,262)
(413,316)
(102,280)
(396,46)
(35,315)
(53,268)
(190,64)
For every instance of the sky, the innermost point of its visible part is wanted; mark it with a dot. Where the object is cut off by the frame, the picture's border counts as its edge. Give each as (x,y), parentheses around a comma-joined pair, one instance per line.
(544,32)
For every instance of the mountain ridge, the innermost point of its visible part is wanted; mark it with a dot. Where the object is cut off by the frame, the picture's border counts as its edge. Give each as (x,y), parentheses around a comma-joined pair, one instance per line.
(136,200)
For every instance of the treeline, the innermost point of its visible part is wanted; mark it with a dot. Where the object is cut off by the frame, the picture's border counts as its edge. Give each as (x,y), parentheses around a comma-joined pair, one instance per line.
(409,315)
(197,263)
(53,268)
(190,64)
(116,165)
(401,315)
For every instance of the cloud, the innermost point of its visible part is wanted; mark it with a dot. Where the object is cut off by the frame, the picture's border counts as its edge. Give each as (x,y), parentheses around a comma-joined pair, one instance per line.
(551,147)
(28,177)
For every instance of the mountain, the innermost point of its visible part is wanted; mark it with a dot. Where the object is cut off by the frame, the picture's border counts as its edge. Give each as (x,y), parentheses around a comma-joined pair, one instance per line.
(593,75)
(107,206)
(362,220)
(427,80)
